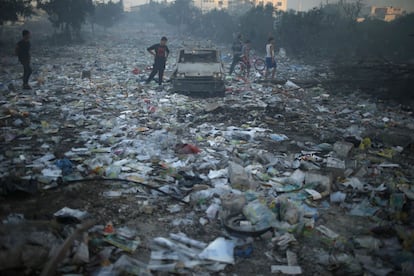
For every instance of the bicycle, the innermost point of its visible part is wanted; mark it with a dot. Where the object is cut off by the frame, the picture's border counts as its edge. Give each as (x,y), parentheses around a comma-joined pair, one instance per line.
(258,64)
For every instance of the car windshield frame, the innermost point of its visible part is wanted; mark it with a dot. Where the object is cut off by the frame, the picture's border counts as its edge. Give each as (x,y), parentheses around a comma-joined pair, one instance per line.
(198,56)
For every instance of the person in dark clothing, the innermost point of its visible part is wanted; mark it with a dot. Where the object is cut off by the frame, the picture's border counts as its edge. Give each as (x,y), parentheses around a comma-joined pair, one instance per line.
(160,52)
(245,57)
(23,54)
(237,52)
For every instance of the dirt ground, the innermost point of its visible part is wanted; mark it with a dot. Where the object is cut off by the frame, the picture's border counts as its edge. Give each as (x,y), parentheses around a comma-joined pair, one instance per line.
(126,211)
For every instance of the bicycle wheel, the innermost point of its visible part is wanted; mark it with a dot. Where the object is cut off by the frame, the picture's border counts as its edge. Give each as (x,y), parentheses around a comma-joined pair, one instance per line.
(239,69)
(259,64)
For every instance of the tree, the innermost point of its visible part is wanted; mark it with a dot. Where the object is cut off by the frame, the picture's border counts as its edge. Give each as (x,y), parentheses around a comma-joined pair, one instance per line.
(150,12)
(351,9)
(180,13)
(323,31)
(67,15)
(257,25)
(217,25)
(107,14)
(11,10)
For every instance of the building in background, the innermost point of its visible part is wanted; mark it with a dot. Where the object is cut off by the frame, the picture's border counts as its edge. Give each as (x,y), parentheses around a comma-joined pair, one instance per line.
(208,5)
(233,6)
(242,6)
(237,5)
(130,5)
(280,5)
(386,13)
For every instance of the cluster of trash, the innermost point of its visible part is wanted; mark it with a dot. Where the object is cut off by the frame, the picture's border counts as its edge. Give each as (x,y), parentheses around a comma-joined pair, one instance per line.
(266,164)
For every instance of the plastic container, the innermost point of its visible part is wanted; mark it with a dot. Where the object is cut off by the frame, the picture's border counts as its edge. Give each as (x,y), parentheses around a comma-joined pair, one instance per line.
(258,214)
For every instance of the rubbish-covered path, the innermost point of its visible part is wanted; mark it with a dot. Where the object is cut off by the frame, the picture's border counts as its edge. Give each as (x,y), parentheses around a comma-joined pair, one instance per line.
(297,179)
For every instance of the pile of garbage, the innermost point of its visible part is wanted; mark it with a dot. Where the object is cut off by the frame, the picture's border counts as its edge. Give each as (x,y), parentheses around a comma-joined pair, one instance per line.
(267,163)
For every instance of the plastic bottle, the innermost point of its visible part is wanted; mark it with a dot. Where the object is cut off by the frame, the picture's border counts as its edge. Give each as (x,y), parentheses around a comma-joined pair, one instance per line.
(258,214)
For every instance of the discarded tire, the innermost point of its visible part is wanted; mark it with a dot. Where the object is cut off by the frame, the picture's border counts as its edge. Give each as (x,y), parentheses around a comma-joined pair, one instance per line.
(232,224)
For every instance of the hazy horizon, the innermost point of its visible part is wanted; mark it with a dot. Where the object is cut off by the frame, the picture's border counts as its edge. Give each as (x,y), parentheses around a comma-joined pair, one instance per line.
(408,5)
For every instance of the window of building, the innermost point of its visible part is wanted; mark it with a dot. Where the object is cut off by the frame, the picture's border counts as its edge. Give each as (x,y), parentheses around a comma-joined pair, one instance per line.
(279,4)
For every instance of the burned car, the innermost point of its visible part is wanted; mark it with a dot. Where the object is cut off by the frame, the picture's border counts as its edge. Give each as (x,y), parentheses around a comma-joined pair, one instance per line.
(199,72)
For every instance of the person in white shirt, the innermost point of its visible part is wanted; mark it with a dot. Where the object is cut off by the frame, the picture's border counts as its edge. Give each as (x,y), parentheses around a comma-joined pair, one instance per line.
(270,57)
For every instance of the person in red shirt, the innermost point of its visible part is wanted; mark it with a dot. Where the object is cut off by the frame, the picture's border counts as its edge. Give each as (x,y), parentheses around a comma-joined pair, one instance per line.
(160,52)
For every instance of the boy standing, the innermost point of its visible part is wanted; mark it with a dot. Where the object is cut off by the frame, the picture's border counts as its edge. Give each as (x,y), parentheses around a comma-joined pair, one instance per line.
(270,57)
(23,53)
(160,52)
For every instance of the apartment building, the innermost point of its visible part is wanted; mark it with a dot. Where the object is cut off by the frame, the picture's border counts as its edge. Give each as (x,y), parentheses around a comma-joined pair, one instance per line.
(234,5)
(208,5)
(386,13)
(280,5)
